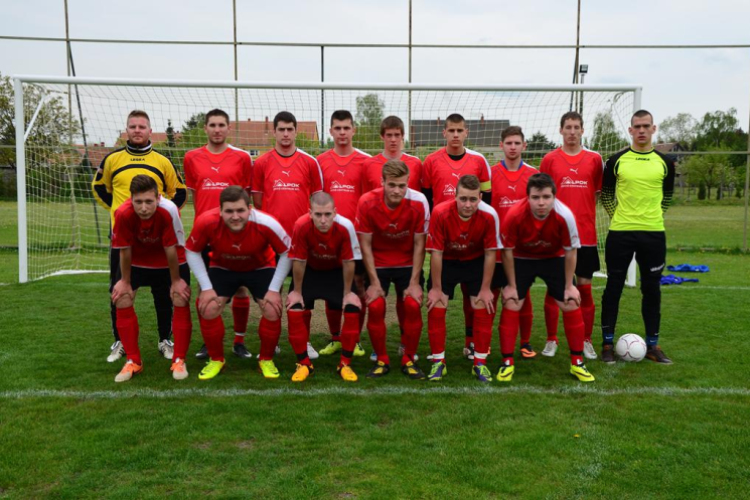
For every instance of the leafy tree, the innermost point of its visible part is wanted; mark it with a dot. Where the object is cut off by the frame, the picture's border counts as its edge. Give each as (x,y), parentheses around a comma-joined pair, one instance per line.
(606,139)
(538,146)
(370,112)
(708,171)
(192,134)
(681,128)
(170,135)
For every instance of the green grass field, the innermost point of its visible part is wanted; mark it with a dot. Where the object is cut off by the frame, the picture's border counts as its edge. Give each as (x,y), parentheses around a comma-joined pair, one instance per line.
(640,431)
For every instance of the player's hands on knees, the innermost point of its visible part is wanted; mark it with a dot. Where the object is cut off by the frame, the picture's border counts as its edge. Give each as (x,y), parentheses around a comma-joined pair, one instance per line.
(436,296)
(415,292)
(351,299)
(487,300)
(205,299)
(572,296)
(271,304)
(121,290)
(180,290)
(510,295)
(293,298)
(373,293)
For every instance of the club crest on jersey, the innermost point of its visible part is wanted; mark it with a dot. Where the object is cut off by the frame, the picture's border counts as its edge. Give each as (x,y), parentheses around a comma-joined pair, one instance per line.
(280,185)
(208,185)
(506,202)
(449,191)
(572,183)
(338,186)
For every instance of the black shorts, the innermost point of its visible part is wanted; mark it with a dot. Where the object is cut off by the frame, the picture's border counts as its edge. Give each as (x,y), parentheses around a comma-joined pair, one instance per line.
(226,283)
(551,271)
(399,276)
(465,272)
(587,262)
(155,278)
(323,285)
(359,268)
(499,280)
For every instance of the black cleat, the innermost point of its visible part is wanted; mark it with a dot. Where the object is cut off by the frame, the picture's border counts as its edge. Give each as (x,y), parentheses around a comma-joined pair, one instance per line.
(654,353)
(241,351)
(412,371)
(202,353)
(608,354)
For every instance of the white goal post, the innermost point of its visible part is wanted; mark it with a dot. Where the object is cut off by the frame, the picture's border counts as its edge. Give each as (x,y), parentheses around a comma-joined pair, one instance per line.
(61,230)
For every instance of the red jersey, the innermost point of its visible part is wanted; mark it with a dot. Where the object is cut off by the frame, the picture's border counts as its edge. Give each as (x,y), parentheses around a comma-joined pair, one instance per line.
(509,187)
(393,230)
(207,174)
(578,178)
(325,251)
(531,238)
(343,178)
(148,238)
(441,173)
(460,239)
(373,176)
(255,247)
(287,184)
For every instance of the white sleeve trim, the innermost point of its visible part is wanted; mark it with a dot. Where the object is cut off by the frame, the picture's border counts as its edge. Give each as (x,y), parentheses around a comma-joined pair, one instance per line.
(488,209)
(415,195)
(570,220)
(170,207)
(282,271)
(353,240)
(195,261)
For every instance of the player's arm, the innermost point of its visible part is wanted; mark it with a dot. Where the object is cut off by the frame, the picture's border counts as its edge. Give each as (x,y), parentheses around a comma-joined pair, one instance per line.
(435,295)
(414,290)
(485,293)
(571,292)
(101,186)
(510,292)
(375,290)
(609,186)
(273,295)
(350,298)
(123,288)
(174,186)
(485,181)
(179,287)
(298,276)
(667,185)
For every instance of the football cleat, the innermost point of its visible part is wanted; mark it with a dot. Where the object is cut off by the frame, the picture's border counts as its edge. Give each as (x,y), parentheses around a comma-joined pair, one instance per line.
(311,352)
(608,354)
(211,369)
(179,370)
(654,353)
(166,348)
(116,352)
(268,368)
(469,351)
(527,351)
(550,349)
(505,374)
(240,351)
(588,350)
(332,347)
(302,372)
(346,373)
(411,370)
(482,373)
(128,371)
(374,356)
(202,352)
(380,369)
(359,351)
(437,372)
(580,372)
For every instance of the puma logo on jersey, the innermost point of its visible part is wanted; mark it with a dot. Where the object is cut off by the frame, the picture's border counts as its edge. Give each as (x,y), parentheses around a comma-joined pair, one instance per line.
(323,245)
(215,169)
(457,176)
(394,225)
(286,172)
(342,172)
(463,235)
(512,188)
(237,246)
(193,240)
(574,170)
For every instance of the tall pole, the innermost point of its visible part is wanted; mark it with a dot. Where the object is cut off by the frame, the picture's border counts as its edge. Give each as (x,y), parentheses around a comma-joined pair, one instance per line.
(68,58)
(23,246)
(408,115)
(578,50)
(747,186)
(236,74)
(322,96)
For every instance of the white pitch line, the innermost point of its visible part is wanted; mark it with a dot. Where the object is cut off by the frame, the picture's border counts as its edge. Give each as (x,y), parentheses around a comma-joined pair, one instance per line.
(381,391)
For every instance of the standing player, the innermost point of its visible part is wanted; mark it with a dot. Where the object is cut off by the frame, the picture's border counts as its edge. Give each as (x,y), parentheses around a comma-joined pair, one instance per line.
(392,223)
(111,187)
(244,244)
(540,240)
(577,173)
(636,192)
(285,178)
(509,178)
(442,169)
(463,243)
(208,170)
(343,177)
(150,239)
(324,249)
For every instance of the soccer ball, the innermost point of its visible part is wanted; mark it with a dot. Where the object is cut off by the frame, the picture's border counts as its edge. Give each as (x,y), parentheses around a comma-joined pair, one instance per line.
(631,347)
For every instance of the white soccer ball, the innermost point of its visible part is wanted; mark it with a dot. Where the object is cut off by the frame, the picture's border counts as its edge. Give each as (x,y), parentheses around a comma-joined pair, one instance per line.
(631,347)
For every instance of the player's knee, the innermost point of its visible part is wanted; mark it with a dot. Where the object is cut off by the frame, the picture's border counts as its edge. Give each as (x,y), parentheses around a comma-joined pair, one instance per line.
(376,308)
(568,306)
(513,305)
(270,313)
(178,301)
(349,308)
(212,311)
(124,302)
(411,305)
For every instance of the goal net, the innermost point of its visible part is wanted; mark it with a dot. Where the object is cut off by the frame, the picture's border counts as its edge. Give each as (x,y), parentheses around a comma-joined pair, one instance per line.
(68,125)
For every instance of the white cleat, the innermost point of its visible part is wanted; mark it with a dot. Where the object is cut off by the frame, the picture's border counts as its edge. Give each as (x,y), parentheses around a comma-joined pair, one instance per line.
(550,349)
(166,348)
(179,370)
(588,350)
(311,352)
(116,352)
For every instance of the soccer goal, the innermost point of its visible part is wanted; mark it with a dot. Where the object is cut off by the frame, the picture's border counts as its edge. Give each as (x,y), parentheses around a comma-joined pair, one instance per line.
(65,127)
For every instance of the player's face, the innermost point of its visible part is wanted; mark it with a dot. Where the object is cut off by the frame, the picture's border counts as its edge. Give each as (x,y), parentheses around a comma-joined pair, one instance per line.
(393,140)
(455,134)
(512,147)
(285,134)
(541,202)
(342,132)
(642,129)
(395,190)
(572,131)
(145,204)
(322,216)
(467,201)
(217,130)
(138,130)
(235,215)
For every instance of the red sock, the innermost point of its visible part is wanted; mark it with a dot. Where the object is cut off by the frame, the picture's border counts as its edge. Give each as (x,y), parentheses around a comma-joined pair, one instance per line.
(376,327)
(307,315)
(362,316)
(436,333)
(349,334)
(127,326)
(573,324)
(508,330)
(551,316)
(588,310)
(334,323)
(400,316)
(213,336)
(240,313)
(298,335)
(412,328)
(468,315)
(269,333)
(182,329)
(482,334)
(526,319)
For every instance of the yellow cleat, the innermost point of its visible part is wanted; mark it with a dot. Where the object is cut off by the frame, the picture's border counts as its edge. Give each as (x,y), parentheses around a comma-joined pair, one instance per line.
(268,368)
(211,369)
(302,372)
(581,373)
(359,351)
(347,373)
(333,347)
(505,374)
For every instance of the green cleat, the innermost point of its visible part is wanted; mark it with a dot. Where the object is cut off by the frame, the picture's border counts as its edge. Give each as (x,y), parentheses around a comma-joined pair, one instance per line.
(482,373)
(359,351)
(332,348)
(438,371)
(505,374)
(268,368)
(211,369)
(580,372)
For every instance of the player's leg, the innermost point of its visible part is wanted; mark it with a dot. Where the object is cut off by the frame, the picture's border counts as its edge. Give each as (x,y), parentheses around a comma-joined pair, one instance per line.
(116,349)
(587,264)
(349,337)
(452,273)
(269,327)
(551,321)
(481,319)
(314,287)
(651,255)
(225,284)
(240,316)
(526,319)
(376,327)
(163,307)
(468,323)
(205,255)
(510,318)
(182,329)
(618,253)
(127,326)
(410,325)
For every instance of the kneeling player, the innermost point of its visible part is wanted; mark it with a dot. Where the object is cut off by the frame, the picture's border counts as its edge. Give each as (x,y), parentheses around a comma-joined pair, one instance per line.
(463,243)
(324,248)
(149,235)
(244,243)
(540,239)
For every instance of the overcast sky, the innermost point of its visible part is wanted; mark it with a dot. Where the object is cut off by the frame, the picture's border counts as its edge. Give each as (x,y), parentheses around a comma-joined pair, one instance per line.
(694,81)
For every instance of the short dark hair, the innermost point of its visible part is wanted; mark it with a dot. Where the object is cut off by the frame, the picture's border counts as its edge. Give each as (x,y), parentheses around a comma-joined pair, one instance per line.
(470,182)
(143,183)
(391,122)
(217,112)
(540,181)
(283,116)
(233,193)
(454,118)
(640,114)
(571,115)
(342,115)
(138,113)
(512,130)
